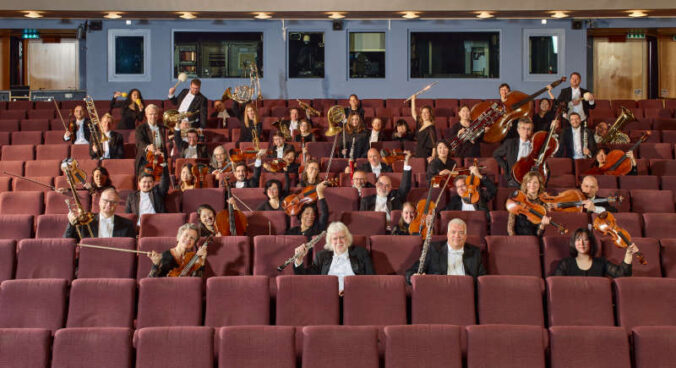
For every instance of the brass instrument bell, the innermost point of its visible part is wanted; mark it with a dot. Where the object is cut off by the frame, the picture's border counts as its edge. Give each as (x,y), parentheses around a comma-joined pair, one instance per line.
(335,116)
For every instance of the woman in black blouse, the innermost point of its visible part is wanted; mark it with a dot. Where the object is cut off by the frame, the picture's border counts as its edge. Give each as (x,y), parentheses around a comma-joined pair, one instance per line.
(426,135)
(251,123)
(133,108)
(309,224)
(532,185)
(187,237)
(355,107)
(407,215)
(543,119)
(355,130)
(305,132)
(583,263)
(273,190)
(207,219)
(465,149)
(442,164)
(401,132)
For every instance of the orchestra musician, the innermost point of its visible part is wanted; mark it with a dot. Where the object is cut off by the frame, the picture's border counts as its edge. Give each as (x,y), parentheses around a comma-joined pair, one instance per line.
(310,175)
(221,113)
(80,131)
(442,164)
(451,257)
(572,139)
(354,107)
(241,171)
(359,181)
(218,161)
(293,123)
(193,101)
(601,156)
(207,219)
(407,216)
(305,133)
(466,149)
(106,224)
(401,132)
(583,262)
(251,124)
(340,257)
(532,185)
(542,120)
(186,178)
(149,198)
(150,137)
(187,237)
(310,225)
(426,134)
(356,129)
(99,181)
(190,148)
(503,91)
(590,187)
(113,148)
(273,191)
(575,99)
(600,131)
(132,108)
(279,147)
(374,164)
(512,149)
(385,199)
(487,192)
(376,131)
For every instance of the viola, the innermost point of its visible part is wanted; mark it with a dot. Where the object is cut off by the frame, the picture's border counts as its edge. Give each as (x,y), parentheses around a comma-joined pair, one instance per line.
(606,224)
(230,221)
(572,200)
(516,105)
(617,162)
(519,204)
(200,173)
(390,156)
(425,207)
(472,182)
(293,203)
(189,263)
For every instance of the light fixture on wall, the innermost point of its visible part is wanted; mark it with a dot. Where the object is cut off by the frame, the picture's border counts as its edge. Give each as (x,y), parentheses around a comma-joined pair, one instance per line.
(262,15)
(559,14)
(32,14)
(636,13)
(484,15)
(410,15)
(187,15)
(543,21)
(128,22)
(336,15)
(113,15)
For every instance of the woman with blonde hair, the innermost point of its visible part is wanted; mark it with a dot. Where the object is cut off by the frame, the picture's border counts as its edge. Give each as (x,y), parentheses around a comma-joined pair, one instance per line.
(250,125)
(355,130)
(532,186)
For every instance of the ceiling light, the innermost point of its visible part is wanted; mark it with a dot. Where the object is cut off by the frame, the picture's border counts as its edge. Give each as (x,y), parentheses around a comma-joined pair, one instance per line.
(410,15)
(636,13)
(32,14)
(113,15)
(187,15)
(544,21)
(559,14)
(263,15)
(128,22)
(484,15)
(336,15)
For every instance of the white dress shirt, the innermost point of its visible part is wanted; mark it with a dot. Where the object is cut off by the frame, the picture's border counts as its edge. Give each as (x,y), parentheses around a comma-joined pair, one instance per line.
(145,205)
(455,265)
(191,152)
(467,206)
(293,125)
(79,133)
(106,226)
(374,136)
(185,104)
(381,206)
(376,170)
(341,267)
(280,152)
(106,146)
(524,149)
(579,108)
(577,143)
(157,139)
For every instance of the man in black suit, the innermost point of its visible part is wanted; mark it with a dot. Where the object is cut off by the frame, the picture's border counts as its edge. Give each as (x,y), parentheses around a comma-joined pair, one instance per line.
(191,100)
(149,198)
(359,181)
(573,139)
(105,224)
(279,147)
(590,186)
(191,148)
(512,149)
(113,148)
(385,199)
(465,259)
(79,130)
(487,191)
(241,172)
(375,164)
(150,136)
(575,99)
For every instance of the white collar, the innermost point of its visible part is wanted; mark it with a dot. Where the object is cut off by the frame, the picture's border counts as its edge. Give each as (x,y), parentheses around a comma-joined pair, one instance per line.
(344,256)
(455,251)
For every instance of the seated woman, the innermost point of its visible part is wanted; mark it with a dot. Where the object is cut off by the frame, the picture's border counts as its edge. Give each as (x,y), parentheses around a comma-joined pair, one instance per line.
(582,261)
(339,257)
(207,218)
(309,225)
(532,185)
(465,149)
(401,132)
(542,120)
(306,133)
(100,180)
(407,215)
(310,176)
(273,190)
(355,131)
(186,179)
(602,155)
(165,262)
(218,160)
(442,164)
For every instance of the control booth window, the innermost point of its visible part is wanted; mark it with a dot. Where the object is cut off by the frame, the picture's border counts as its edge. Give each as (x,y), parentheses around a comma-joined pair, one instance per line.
(306,55)
(367,55)
(543,56)
(455,54)
(217,54)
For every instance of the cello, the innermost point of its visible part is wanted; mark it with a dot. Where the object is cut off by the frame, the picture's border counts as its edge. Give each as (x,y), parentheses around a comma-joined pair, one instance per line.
(518,204)
(516,105)
(231,221)
(473,183)
(605,223)
(617,162)
(424,208)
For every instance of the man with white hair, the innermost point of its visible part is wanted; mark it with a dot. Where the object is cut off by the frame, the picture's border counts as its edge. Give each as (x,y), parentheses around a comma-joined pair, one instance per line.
(150,137)
(451,257)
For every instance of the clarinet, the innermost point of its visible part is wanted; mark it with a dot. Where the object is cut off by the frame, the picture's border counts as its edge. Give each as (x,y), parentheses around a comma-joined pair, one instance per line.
(307,245)
(585,139)
(426,246)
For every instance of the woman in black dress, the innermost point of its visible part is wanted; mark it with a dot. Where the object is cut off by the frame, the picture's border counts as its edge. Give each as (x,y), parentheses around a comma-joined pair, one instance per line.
(305,132)
(250,125)
(355,107)
(465,149)
(601,156)
(543,119)
(133,108)
(442,164)
(355,130)
(426,133)
(583,263)
(273,190)
(187,237)
(407,215)
(309,224)
(207,219)
(401,132)
(532,185)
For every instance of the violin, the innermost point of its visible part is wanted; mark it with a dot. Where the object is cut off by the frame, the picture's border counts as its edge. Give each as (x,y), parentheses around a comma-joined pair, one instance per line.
(572,200)
(391,156)
(237,154)
(231,221)
(155,159)
(425,207)
(516,105)
(617,162)
(293,203)
(519,204)
(188,264)
(199,172)
(606,224)
(276,165)
(437,180)
(473,184)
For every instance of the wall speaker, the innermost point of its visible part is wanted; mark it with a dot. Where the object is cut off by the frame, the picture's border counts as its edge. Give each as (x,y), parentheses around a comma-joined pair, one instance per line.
(337,25)
(95,25)
(576,24)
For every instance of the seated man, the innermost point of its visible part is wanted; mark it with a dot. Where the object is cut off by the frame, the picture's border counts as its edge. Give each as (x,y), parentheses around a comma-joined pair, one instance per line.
(113,147)
(590,186)
(573,143)
(375,164)
(190,148)
(487,191)
(278,146)
(80,130)
(150,197)
(359,181)
(241,171)
(512,149)
(385,199)
(106,224)
(451,257)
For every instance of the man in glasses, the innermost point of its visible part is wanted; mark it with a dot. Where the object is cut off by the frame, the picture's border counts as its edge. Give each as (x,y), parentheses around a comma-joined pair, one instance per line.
(385,199)
(105,224)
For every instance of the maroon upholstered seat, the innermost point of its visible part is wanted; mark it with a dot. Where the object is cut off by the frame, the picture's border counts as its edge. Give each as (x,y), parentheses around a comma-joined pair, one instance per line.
(21,203)
(365,222)
(43,168)
(654,346)
(265,223)
(341,200)
(45,258)
(160,224)
(16,227)
(119,166)
(656,151)
(650,248)
(442,299)
(668,257)
(374,300)
(92,347)
(243,300)
(25,347)
(652,201)
(102,263)
(158,306)
(510,300)
(50,226)
(159,245)
(256,346)
(33,303)
(307,300)
(499,221)
(191,199)
(662,167)
(645,301)
(659,225)
(36,123)
(423,346)
(394,254)
(513,255)
(630,182)
(7,258)
(168,347)
(252,197)
(26,138)
(320,346)
(579,301)
(102,303)
(570,220)
(79,152)
(32,185)
(271,251)
(589,346)
(488,346)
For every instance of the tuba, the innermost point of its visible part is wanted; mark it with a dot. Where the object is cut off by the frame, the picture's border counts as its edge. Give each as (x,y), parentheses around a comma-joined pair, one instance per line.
(243,94)
(615,134)
(335,116)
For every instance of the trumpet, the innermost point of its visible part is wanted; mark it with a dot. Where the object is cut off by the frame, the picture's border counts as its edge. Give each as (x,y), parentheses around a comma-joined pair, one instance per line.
(421,91)
(307,245)
(309,110)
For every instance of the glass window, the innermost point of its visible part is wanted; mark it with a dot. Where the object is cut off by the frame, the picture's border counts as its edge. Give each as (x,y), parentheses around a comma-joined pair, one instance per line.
(128,55)
(367,54)
(455,54)
(306,55)
(217,54)
(543,53)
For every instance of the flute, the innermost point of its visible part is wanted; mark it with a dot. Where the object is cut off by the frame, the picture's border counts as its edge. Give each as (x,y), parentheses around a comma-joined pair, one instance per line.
(307,245)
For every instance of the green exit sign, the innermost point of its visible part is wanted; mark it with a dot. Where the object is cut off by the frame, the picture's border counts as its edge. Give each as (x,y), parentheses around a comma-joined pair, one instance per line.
(635,35)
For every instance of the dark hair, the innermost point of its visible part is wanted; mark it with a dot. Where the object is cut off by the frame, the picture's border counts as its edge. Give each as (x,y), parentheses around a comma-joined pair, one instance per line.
(312,206)
(196,82)
(442,142)
(288,149)
(459,177)
(240,163)
(576,235)
(358,100)
(106,183)
(203,207)
(576,73)
(145,175)
(401,122)
(505,85)
(191,131)
(573,113)
(403,226)
(129,101)
(189,166)
(270,183)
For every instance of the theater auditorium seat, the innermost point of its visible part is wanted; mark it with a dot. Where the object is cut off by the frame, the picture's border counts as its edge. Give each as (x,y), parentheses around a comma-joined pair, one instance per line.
(16,227)
(659,225)
(191,199)
(160,224)
(242,347)
(175,347)
(510,300)
(33,303)
(651,201)
(50,226)
(7,258)
(507,346)
(320,346)
(579,301)
(650,248)
(158,302)
(668,257)
(374,300)
(423,346)
(51,151)
(645,301)
(102,303)
(21,203)
(25,347)
(265,223)
(272,251)
(442,299)
(307,300)
(104,263)
(394,254)
(45,258)
(92,347)
(243,300)
(159,245)
(513,255)
(365,222)
(654,346)
(589,346)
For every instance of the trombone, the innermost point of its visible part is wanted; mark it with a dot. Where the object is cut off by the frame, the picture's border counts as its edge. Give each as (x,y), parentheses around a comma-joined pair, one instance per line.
(97,135)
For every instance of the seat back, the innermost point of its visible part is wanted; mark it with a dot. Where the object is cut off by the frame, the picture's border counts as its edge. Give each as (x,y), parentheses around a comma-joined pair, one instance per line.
(243,300)
(102,303)
(442,299)
(513,255)
(579,301)
(307,300)
(95,347)
(645,301)
(590,346)
(167,347)
(33,303)
(158,302)
(25,347)
(510,300)
(320,342)
(374,300)
(487,346)
(45,258)
(240,347)
(394,254)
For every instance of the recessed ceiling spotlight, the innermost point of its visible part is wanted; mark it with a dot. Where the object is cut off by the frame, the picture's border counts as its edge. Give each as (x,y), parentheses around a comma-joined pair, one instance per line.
(559,14)
(113,15)
(484,14)
(636,13)
(410,15)
(263,15)
(187,15)
(336,15)
(544,21)
(32,14)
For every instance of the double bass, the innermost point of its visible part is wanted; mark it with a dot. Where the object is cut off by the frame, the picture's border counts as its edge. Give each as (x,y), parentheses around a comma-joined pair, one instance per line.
(231,221)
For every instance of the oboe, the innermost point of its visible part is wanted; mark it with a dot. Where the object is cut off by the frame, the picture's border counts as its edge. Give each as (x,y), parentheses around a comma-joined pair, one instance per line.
(585,139)
(307,245)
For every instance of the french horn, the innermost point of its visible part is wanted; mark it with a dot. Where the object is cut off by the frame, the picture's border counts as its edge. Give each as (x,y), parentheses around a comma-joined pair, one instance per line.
(335,116)
(245,93)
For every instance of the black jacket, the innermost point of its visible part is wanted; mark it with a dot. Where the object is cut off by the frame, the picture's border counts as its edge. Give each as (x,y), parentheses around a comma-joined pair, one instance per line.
(487,192)
(144,137)
(182,146)
(359,258)
(320,223)
(437,166)
(566,95)
(115,146)
(366,167)
(506,156)
(122,228)
(395,200)
(436,262)
(86,130)
(567,148)
(198,103)
(361,144)
(245,133)
(157,195)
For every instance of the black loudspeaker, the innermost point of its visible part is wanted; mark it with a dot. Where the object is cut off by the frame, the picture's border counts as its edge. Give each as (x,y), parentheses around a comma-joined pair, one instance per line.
(95,25)
(337,25)
(577,24)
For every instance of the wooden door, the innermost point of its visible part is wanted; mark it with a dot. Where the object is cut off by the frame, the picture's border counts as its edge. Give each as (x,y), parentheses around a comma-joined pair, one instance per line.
(666,47)
(53,65)
(620,69)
